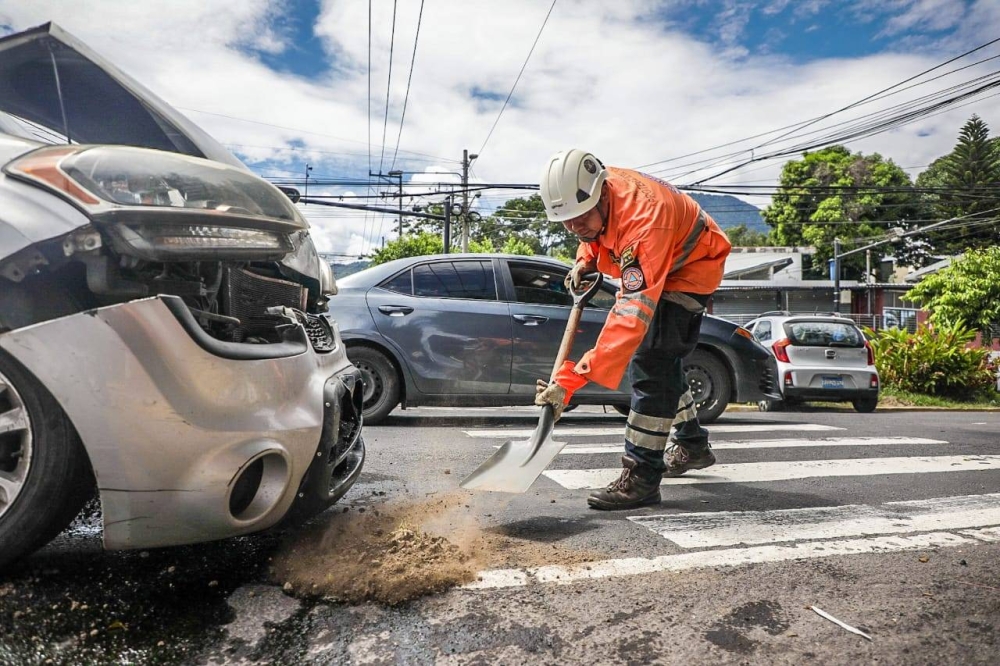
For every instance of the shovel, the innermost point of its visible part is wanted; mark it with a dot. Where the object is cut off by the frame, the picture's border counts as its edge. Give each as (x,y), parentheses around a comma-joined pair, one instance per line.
(516,465)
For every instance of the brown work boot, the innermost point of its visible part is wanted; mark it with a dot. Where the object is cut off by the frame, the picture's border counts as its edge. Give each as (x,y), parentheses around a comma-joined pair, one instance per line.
(680,460)
(637,486)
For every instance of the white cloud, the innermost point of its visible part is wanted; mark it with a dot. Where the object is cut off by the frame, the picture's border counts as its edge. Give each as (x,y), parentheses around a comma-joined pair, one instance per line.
(623,79)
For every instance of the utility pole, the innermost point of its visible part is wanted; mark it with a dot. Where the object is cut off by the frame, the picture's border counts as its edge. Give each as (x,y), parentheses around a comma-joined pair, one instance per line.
(399,174)
(894,235)
(447,224)
(466,162)
(308,169)
(836,275)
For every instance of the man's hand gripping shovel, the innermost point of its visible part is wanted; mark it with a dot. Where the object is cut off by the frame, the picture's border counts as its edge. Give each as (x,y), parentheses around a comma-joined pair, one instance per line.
(516,465)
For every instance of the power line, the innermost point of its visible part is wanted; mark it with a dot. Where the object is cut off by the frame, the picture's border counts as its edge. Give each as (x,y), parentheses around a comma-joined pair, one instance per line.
(409,80)
(385,122)
(532,50)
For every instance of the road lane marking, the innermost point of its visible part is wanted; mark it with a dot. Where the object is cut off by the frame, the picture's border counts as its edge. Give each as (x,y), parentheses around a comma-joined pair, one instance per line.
(786,471)
(581,449)
(511,433)
(990,535)
(563,575)
(730,528)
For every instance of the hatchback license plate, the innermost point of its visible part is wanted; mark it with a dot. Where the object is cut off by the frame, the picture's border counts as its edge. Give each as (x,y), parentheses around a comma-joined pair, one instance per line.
(832,382)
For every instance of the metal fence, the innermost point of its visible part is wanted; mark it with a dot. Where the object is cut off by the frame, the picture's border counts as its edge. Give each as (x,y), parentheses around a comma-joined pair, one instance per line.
(890,319)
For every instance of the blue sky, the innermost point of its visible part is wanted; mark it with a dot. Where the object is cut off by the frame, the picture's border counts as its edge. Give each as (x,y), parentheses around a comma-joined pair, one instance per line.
(635,81)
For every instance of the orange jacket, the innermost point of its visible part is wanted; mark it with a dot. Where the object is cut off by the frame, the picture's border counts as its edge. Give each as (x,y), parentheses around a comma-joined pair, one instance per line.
(657,239)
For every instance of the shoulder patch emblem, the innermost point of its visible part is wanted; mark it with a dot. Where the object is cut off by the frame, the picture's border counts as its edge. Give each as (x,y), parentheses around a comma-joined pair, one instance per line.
(628,256)
(633,279)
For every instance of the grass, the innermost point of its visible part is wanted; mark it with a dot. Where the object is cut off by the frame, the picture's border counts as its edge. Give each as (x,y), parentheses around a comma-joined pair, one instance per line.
(890,396)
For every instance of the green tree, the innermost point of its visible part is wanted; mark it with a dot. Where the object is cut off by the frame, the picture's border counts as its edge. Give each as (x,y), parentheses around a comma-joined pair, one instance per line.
(968,290)
(964,184)
(742,236)
(836,193)
(524,219)
(414,245)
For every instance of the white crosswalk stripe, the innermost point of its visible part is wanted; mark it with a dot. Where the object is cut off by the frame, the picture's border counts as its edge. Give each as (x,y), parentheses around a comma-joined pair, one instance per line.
(731,538)
(789,470)
(729,528)
(618,447)
(515,433)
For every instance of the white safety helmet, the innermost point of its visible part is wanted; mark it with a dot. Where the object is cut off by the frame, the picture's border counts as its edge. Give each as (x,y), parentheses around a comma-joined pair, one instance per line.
(571,184)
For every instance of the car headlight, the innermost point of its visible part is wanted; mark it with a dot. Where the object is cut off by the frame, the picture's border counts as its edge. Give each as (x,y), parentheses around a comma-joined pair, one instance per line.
(122,181)
(327,282)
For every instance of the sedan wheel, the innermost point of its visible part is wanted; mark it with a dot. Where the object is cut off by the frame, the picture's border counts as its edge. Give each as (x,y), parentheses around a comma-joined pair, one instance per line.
(380,380)
(709,382)
(45,476)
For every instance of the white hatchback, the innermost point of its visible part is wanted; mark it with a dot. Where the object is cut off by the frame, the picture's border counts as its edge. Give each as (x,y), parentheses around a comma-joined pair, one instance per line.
(820,358)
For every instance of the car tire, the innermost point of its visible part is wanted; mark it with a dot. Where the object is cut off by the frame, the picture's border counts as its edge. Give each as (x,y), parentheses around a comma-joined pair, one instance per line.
(46,474)
(709,381)
(622,409)
(381,383)
(865,405)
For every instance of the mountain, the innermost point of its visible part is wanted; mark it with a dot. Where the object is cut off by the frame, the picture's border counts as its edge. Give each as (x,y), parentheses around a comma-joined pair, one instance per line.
(343,270)
(729,211)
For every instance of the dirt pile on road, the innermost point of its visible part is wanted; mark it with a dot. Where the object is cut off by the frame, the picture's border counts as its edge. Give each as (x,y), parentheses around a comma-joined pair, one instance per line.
(393,553)
(383,554)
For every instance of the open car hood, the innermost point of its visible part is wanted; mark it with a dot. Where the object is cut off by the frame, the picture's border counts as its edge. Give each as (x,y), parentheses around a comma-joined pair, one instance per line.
(93,91)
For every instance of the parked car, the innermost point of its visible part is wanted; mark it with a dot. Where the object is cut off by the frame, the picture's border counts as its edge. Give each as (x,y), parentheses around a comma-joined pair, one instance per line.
(161,335)
(480,329)
(820,358)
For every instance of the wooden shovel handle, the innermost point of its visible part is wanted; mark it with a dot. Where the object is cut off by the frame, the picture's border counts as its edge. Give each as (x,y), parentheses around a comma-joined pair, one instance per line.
(567,339)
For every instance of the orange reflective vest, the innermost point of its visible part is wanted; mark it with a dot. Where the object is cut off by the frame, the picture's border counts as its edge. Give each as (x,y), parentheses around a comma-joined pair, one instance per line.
(657,239)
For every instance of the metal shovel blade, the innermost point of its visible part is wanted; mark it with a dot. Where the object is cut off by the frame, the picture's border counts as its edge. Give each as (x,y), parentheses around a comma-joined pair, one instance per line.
(516,465)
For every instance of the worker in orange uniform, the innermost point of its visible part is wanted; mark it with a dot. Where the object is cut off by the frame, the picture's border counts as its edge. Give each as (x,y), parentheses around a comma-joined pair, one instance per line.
(669,256)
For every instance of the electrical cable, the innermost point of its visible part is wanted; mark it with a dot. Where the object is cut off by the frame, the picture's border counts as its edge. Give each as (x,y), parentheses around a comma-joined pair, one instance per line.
(525,64)
(409,80)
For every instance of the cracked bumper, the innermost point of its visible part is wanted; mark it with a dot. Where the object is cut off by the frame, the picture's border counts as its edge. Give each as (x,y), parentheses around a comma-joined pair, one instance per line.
(189,446)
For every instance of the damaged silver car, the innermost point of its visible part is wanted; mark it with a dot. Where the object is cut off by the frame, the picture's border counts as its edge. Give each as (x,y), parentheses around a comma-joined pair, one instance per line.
(161,328)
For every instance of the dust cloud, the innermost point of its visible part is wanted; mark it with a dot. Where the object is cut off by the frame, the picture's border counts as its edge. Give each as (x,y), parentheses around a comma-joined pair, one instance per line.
(396,552)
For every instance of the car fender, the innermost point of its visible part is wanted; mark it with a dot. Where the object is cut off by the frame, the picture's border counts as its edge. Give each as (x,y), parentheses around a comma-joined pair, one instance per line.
(357,338)
(29,215)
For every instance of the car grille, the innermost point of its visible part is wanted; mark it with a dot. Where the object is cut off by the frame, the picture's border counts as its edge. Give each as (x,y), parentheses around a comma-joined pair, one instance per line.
(247,296)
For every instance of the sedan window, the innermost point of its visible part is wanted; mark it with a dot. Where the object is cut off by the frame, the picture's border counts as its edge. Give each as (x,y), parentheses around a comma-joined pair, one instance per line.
(401,284)
(545,286)
(459,279)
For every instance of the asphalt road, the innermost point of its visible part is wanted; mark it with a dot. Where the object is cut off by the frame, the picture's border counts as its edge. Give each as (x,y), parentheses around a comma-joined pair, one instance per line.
(889,522)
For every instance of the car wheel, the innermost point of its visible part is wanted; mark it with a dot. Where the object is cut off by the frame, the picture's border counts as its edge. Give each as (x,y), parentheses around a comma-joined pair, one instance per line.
(380,380)
(865,405)
(709,382)
(45,477)
(771,405)
(622,409)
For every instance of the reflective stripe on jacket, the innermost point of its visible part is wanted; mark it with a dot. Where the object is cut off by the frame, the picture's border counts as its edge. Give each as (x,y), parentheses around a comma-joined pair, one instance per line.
(657,239)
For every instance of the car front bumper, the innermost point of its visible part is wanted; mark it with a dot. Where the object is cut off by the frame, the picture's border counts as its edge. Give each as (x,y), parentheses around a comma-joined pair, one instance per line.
(188,445)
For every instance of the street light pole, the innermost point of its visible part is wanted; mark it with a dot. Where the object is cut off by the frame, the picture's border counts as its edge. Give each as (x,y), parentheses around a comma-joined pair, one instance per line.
(308,169)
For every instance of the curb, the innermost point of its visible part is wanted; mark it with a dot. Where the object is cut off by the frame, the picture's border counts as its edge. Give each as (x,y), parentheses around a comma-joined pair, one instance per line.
(834,407)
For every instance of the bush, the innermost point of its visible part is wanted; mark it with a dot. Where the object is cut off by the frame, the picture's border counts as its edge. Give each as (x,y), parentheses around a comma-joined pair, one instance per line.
(936,360)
